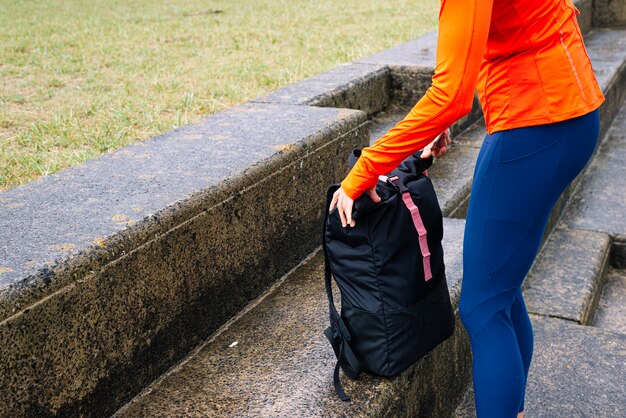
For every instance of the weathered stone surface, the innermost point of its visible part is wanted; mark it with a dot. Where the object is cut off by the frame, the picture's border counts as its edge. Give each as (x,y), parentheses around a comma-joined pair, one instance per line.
(85,208)
(356,86)
(611,312)
(566,279)
(420,52)
(454,191)
(453,230)
(576,371)
(605,48)
(220,216)
(386,120)
(585,16)
(412,66)
(609,13)
(452,177)
(599,202)
(473,135)
(282,364)
(408,84)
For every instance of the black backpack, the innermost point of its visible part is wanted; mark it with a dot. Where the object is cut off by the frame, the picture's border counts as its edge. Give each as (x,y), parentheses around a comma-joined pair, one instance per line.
(395,305)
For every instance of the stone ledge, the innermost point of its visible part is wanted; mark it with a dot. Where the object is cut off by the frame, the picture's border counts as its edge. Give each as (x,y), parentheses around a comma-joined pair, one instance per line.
(220,217)
(411,65)
(355,86)
(567,277)
(282,365)
(419,52)
(85,208)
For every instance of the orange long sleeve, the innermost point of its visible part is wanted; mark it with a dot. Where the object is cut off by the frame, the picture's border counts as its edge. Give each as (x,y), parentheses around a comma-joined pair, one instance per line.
(463,32)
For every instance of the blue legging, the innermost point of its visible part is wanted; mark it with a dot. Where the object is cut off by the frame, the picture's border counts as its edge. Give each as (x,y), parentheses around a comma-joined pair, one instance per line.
(519,175)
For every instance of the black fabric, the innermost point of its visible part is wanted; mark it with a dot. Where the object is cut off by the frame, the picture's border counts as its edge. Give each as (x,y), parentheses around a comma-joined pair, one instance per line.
(390,315)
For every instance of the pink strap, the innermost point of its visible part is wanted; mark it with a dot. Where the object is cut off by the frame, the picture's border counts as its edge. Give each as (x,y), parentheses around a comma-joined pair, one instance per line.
(421,232)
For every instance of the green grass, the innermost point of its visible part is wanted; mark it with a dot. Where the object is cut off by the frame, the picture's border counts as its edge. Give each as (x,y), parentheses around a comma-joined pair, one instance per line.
(79,78)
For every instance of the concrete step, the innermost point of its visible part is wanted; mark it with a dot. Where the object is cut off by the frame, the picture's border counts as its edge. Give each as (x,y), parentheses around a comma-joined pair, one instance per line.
(598,202)
(576,371)
(567,277)
(611,312)
(282,364)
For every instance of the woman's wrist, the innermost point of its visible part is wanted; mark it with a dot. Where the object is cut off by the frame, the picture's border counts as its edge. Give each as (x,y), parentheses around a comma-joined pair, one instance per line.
(351,192)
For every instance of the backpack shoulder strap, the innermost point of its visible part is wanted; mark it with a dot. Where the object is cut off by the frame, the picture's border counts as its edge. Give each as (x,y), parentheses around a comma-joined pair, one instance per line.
(337,333)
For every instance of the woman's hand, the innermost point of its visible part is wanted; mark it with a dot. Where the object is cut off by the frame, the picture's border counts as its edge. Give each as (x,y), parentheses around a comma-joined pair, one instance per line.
(439,146)
(344,205)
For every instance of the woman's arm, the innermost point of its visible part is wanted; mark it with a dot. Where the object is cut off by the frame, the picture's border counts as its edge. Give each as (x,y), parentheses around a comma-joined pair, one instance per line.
(463,32)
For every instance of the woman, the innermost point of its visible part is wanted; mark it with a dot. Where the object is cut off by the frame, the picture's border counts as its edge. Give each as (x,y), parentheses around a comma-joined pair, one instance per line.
(540,99)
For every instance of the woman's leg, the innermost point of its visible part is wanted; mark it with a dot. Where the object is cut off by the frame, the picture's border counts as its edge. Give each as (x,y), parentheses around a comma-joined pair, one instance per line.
(519,176)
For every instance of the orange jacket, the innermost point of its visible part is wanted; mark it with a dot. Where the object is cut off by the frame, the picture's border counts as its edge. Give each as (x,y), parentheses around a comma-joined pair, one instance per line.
(527,59)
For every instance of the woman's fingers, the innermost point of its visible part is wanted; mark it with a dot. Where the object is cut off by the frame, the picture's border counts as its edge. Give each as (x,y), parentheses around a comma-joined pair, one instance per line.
(348,211)
(441,144)
(333,202)
(444,139)
(427,150)
(342,215)
(344,205)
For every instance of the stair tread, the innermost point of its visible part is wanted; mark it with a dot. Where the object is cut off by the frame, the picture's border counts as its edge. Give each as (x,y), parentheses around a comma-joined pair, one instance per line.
(566,276)
(576,371)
